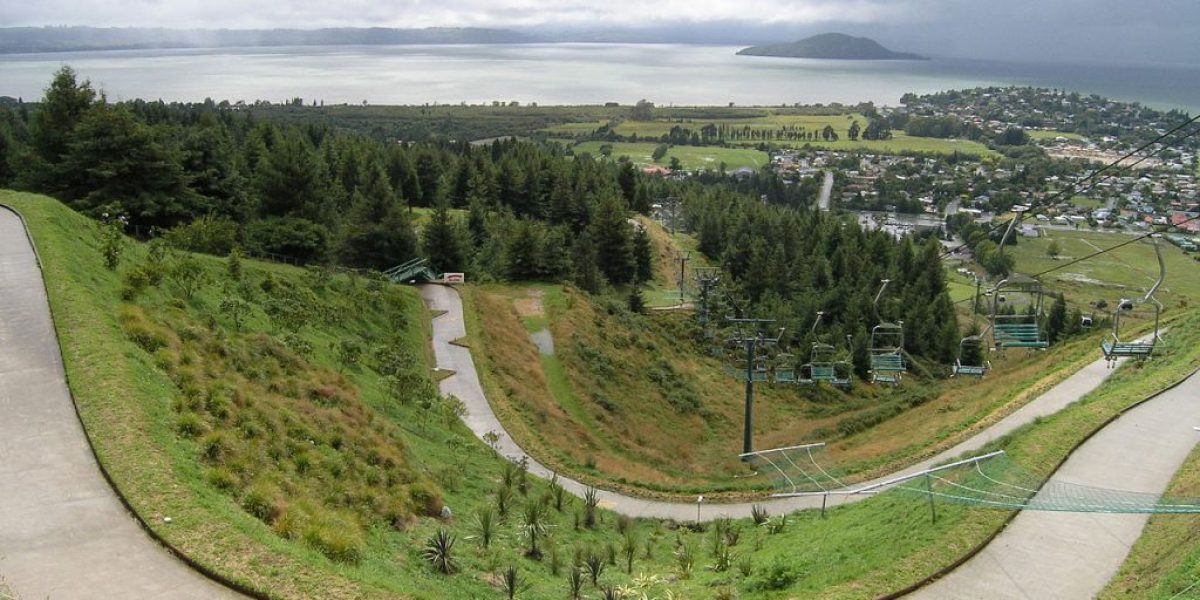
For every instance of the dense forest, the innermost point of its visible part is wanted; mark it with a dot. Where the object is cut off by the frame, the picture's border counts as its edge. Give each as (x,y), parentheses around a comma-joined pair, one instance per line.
(211,178)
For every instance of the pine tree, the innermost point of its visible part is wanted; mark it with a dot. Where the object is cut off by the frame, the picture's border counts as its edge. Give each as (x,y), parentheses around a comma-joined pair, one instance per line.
(1056,322)
(444,240)
(50,129)
(113,160)
(643,255)
(613,239)
(289,178)
(586,273)
(378,233)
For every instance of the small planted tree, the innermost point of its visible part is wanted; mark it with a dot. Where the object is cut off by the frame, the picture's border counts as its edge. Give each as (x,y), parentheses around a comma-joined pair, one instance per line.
(112,242)
(511,582)
(558,494)
(759,514)
(189,276)
(595,565)
(233,265)
(575,583)
(1053,250)
(439,552)
(591,500)
(629,548)
(533,525)
(236,309)
(485,525)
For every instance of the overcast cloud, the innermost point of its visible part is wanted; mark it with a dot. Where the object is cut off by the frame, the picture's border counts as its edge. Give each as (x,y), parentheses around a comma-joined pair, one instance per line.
(1036,29)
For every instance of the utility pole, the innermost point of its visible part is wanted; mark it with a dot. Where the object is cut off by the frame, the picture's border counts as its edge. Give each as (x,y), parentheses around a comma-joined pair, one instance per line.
(707,279)
(751,334)
(669,211)
(683,260)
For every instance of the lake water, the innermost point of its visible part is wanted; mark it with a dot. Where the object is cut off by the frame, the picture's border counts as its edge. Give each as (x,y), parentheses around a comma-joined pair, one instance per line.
(565,74)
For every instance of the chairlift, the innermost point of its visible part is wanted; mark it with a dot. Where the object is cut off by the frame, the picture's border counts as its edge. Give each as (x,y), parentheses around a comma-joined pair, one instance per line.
(785,369)
(1018,330)
(1143,348)
(971,358)
(887,360)
(887,344)
(823,366)
(761,371)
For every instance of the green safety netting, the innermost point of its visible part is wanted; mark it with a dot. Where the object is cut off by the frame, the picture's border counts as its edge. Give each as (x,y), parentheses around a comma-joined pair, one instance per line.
(990,481)
(795,469)
(1001,484)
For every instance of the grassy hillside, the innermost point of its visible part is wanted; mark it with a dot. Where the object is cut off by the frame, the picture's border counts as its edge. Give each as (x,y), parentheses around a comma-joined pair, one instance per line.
(637,402)
(272,393)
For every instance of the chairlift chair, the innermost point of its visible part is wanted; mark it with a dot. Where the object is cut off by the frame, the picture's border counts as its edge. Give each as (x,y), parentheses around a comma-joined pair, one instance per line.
(887,343)
(761,371)
(785,369)
(887,359)
(823,366)
(1019,330)
(1140,349)
(974,345)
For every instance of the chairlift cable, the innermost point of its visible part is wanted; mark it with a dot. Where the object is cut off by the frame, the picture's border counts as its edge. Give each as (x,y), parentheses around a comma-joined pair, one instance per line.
(1075,187)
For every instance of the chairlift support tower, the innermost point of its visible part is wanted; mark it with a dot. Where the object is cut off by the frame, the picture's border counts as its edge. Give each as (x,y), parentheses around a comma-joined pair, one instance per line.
(751,334)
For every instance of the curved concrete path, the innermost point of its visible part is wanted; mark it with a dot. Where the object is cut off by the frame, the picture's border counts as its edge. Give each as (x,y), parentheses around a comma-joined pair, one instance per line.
(1048,555)
(464,385)
(63,532)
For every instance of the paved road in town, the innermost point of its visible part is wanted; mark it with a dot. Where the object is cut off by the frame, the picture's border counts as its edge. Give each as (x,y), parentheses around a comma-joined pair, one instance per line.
(826,191)
(464,385)
(63,532)
(1049,555)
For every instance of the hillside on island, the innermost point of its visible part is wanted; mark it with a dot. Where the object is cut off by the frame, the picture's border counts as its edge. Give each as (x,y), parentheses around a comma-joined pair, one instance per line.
(831,45)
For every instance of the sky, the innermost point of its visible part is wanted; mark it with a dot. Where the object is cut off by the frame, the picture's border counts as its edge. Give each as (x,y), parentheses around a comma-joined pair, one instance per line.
(1103,30)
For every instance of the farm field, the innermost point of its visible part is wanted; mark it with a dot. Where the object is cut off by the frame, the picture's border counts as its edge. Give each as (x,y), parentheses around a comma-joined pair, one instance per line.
(658,128)
(1124,273)
(902,142)
(693,158)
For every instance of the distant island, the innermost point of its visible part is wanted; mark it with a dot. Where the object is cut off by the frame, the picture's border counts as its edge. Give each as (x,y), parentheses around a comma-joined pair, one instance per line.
(832,46)
(18,40)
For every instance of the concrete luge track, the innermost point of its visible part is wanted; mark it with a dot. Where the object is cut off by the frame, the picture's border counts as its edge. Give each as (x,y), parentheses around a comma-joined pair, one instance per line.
(64,533)
(1074,555)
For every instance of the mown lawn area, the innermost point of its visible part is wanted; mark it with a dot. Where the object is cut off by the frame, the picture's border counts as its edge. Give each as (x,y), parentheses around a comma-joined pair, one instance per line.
(692,158)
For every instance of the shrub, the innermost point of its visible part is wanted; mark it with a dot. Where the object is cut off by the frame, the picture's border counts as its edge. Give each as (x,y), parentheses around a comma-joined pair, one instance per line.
(264,501)
(759,514)
(221,478)
(140,330)
(338,537)
(439,552)
(190,425)
(208,234)
(133,283)
(779,575)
